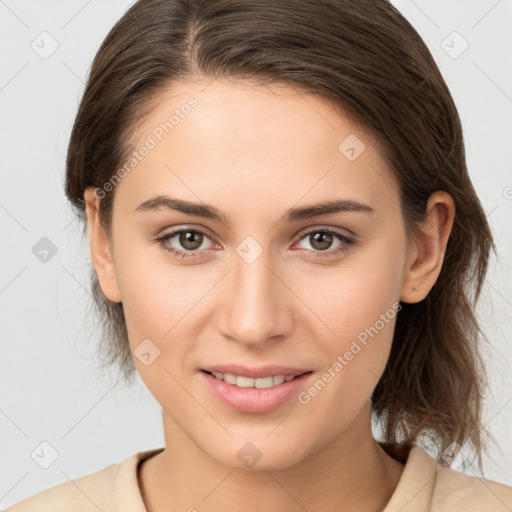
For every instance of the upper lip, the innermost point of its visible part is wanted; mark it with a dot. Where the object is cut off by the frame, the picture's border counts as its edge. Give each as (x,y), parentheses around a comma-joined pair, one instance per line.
(255,373)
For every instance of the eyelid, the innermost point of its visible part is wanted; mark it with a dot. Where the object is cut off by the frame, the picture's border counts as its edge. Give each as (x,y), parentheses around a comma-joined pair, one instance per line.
(184,227)
(321,227)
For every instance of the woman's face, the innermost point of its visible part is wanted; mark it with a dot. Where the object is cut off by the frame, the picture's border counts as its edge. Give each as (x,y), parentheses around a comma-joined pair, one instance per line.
(263,286)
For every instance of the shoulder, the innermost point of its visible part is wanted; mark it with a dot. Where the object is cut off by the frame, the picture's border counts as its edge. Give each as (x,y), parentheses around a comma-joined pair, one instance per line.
(78,494)
(458,491)
(88,492)
(426,486)
(111,488)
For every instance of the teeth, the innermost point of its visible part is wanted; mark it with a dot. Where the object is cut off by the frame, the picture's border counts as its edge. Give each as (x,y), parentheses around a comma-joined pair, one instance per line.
(248,382)
(229,378)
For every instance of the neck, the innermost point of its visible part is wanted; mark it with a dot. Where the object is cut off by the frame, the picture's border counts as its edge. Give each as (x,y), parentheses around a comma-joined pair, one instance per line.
(352,472)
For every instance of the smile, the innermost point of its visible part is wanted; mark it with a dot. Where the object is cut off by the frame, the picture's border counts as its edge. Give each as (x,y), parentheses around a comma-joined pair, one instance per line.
(255,394)
(248,382)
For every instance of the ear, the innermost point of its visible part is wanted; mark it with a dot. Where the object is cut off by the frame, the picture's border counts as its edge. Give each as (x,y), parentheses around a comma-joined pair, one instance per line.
(100,248)
(426,251)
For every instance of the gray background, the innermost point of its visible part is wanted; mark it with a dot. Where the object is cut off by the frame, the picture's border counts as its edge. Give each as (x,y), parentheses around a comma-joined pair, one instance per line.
(51,391)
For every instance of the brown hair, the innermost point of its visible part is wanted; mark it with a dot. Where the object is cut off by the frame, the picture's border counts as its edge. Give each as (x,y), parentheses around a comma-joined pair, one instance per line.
(365,58)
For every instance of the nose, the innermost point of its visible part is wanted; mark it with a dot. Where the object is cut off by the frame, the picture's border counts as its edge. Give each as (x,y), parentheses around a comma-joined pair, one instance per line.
(256,308)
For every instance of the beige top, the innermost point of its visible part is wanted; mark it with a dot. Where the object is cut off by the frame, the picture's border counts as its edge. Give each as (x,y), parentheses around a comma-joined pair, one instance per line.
(424,486)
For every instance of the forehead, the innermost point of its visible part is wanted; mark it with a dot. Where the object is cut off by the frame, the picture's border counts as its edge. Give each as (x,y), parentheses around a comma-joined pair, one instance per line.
(259,143)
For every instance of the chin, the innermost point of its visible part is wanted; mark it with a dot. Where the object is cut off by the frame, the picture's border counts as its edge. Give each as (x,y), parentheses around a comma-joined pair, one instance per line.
(259,453)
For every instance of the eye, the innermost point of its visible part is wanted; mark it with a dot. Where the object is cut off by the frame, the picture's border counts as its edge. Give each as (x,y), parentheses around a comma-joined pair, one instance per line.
(322,239)
(190,239)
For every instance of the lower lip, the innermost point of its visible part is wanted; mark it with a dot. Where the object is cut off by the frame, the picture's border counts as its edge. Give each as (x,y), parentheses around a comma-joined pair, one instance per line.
(255,400)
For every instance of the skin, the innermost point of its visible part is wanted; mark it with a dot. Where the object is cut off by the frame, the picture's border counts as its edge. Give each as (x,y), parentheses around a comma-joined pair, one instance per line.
(235,151)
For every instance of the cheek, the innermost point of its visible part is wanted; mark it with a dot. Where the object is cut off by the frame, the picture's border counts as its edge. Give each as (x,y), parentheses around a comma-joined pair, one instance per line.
(354,358)
(158,303)
(359,302)
(352,297)
(155,292)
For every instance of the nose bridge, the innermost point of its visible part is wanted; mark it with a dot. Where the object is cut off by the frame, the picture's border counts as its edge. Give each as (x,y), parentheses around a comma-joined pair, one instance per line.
(255,309)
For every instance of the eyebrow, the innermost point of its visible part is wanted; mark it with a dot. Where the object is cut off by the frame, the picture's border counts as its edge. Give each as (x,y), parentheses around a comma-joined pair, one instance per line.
(206,211)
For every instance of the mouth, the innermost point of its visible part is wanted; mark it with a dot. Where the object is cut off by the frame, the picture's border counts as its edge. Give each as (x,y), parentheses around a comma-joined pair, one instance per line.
(242,381)
(255,395)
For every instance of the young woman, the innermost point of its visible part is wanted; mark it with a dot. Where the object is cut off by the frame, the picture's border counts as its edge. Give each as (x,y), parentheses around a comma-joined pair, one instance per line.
(286,245)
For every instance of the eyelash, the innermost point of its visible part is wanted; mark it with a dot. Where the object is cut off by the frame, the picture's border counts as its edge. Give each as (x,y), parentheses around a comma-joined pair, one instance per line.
(162,240)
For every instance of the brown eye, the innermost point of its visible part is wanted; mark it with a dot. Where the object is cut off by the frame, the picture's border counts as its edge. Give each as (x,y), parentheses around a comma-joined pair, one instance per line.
(321,240)
(184,243)
(190,240)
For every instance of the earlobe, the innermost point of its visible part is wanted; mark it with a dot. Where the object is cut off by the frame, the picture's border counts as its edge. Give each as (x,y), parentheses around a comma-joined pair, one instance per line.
(100,249)
(426,252)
